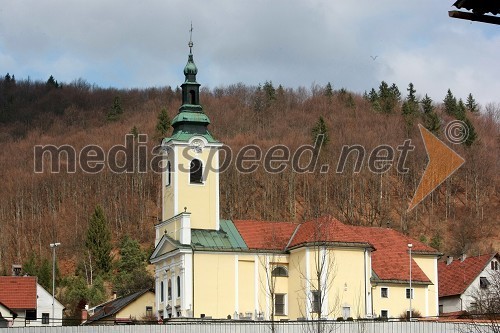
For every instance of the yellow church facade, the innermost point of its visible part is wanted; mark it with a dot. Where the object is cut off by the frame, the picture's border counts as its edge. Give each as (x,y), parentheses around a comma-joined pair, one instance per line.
(209,267)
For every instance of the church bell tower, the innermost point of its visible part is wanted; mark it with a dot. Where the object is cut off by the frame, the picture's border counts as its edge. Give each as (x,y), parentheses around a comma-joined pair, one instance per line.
(191,179)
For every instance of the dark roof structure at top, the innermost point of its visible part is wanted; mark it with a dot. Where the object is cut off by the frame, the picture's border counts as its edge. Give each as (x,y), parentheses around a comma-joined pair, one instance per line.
(478,10)
(112,307)
(191,120)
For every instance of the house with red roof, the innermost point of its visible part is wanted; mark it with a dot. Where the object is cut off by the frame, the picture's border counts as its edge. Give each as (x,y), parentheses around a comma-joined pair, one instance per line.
(7,316)
(209,267)
(30,302)
(462,279)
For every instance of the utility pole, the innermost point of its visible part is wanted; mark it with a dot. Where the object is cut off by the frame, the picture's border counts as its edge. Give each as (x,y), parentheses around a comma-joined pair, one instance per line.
(411,292)
(53,246)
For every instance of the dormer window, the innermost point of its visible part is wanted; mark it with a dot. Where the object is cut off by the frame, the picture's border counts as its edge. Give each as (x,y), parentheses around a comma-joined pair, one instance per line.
(196,172)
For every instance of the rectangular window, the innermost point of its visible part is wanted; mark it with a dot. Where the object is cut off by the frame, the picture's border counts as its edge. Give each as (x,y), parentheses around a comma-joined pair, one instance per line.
(384,292)
(279,304)
(315,301)
(494,265)
(30,314)
(45,318)
(483,282)
(384,314)
(441,308)
(149,311)
(161,292)
(409,293)
(346,312)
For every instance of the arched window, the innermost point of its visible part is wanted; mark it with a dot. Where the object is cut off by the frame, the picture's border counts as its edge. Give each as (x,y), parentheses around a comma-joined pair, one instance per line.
(178,286)
(161,292)
(192,96)
(196,172)
(169,173)
(169,290)
(279,271)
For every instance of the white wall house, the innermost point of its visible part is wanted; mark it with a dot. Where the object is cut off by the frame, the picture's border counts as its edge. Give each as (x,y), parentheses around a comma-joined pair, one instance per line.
(44,309)
(30,301)
(461,279)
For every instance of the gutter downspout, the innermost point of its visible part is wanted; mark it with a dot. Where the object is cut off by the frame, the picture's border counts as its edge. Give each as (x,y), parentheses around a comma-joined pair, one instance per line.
(192,280)
(366,298)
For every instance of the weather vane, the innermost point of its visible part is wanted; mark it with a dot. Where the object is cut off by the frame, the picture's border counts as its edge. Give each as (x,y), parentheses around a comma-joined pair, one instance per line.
(190,44)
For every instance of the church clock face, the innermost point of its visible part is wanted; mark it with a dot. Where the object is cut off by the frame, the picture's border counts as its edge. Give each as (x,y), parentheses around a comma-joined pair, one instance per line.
(197,145)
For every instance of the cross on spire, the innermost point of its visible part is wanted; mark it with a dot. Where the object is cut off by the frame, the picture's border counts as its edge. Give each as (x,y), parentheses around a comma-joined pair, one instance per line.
(190,44)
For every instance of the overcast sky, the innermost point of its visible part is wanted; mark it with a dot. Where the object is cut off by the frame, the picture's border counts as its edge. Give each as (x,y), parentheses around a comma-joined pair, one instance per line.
(126,44)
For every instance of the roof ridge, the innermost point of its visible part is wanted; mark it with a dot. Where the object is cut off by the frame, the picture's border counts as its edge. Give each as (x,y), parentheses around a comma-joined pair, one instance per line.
(293,235)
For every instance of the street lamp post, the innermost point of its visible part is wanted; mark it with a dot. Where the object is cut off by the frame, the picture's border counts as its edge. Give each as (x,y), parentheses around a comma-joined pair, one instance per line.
(411,292)
(53,246)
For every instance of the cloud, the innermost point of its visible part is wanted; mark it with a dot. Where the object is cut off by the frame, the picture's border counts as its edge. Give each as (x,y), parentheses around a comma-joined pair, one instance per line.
(294,43)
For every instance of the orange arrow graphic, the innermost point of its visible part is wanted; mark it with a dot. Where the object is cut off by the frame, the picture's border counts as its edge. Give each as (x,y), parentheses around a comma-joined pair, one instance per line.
(443,162)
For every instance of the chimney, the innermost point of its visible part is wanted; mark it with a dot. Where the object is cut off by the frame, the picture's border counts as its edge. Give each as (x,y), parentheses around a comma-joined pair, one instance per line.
(16,270)
(449,260)
(463,257)
(114,295)
(85,313)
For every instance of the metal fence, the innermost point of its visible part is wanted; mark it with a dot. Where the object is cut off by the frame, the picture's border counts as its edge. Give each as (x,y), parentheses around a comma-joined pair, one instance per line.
(265,327)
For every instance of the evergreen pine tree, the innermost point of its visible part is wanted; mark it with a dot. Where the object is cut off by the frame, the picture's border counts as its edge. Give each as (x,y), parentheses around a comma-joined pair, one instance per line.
(52,83)
(116,111)
(373,96)
(134,131)
(329,90)
(430,118)
(450,104)
(427,104)
(98,240)
(45,274)
(320,129)
(131,255)
(460,112)
(269,92)
(395,93)
(410,105)
(163,124)
(471,131)
(388,97)
(30,266)
(131,268)
(471,104)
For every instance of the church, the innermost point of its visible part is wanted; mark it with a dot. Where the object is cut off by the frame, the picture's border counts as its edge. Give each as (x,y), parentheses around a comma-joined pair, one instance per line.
(208,267)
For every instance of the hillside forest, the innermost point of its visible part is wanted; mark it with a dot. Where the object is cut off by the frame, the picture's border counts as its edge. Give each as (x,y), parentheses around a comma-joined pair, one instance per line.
(461,216)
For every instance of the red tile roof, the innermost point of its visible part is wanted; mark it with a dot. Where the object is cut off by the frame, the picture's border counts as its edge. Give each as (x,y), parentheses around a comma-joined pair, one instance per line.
(390,260)
(265,235)
(456,277)
(18,292)
(325,229)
